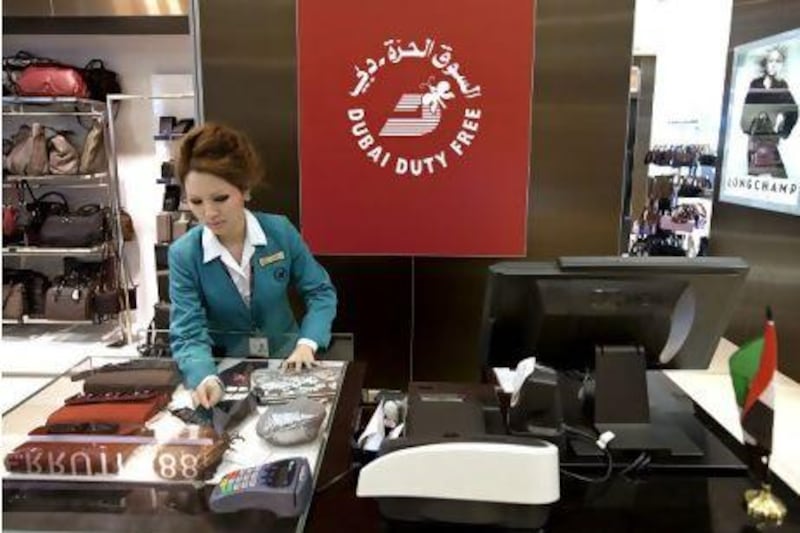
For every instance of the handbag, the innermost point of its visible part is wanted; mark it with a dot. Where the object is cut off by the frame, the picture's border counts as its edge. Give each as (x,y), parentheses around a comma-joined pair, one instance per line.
(35,284)
(764,154)
(10,229)
(126,223)
(93,155)
(108,298)
(52,79)
(38,164)
(37,211)
(14,65)
(761,125)
(17,159)
(100,80)
(84,227)
(63,156)
(69,300)
(13,300)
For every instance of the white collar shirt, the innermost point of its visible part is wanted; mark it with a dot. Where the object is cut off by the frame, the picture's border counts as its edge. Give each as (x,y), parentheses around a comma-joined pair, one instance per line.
(240,272)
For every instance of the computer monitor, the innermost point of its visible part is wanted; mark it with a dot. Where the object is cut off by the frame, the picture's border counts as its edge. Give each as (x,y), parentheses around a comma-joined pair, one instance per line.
(614,317)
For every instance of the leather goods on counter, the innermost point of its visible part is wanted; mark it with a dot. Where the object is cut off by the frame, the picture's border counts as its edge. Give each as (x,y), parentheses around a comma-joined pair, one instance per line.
(194,455)
(70,452)
(115,408)
(134,380)
(133,364)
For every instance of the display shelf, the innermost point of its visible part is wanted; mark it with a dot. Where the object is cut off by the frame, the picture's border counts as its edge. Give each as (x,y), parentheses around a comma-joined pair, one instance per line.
(48,111)
(51,105)
(43,321)
(54,252)
(62,180)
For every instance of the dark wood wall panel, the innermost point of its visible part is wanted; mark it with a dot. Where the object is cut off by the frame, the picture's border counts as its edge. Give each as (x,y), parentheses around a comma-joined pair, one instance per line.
(580,102)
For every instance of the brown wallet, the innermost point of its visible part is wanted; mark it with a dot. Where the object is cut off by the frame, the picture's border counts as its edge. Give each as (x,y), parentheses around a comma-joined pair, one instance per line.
(157,379)
(67,455)
(115,408)
(183,459)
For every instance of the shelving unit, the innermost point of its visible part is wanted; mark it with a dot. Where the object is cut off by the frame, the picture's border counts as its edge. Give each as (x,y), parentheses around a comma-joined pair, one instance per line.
(25,320)
(47,110)
(171,98)
(32,106)
(41,251)
(94,180)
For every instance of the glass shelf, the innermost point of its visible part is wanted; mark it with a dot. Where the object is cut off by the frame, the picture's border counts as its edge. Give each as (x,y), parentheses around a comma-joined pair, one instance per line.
(41,251)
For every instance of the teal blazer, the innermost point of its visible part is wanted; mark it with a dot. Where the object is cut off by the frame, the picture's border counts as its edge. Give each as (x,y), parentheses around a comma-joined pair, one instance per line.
(208,312)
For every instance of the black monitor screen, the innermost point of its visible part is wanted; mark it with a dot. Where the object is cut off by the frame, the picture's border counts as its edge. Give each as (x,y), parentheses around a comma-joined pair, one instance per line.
(675,309)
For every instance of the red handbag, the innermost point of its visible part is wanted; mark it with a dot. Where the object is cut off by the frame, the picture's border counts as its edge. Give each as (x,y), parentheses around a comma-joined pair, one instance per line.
(10,213)
(51,80)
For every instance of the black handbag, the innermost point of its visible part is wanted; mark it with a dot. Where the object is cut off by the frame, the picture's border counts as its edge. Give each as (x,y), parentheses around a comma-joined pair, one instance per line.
(761,125)
(84,227)
(38,210)
(100,80)
(35,284)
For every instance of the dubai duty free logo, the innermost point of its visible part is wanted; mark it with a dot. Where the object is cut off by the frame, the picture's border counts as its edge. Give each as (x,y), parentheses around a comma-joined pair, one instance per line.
(443,88)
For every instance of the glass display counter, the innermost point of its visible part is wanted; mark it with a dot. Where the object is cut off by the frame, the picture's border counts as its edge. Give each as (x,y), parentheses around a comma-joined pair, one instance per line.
(70,437)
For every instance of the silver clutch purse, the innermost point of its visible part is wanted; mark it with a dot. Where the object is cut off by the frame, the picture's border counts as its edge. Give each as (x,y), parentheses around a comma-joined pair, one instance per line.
(295,422)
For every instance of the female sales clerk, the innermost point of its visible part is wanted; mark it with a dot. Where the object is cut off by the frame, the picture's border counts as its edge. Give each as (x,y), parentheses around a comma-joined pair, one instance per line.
(229,276)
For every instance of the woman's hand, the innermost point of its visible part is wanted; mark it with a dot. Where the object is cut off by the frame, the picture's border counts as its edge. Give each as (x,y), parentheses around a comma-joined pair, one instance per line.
(208,393)
(302,356)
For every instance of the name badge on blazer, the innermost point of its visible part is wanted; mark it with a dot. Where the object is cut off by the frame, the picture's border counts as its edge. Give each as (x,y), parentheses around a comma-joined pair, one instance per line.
(269,259)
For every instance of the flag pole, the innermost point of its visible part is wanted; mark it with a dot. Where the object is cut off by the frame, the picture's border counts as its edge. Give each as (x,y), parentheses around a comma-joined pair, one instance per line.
(762,504)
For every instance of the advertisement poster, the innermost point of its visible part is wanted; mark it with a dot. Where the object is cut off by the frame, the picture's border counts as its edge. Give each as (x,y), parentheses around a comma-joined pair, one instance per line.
(761,165)
(415,125)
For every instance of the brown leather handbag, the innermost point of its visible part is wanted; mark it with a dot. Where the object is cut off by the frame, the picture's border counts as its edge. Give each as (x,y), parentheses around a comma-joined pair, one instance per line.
(13,300)
(69,301)
(93,155)
(64,157)
(17,159)
(38,165)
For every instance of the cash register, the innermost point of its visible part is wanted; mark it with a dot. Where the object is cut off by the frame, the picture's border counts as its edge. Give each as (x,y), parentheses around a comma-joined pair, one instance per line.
(466,458)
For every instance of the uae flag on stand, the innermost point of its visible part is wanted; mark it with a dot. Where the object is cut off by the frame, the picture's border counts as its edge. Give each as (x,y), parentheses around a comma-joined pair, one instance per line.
(753,369)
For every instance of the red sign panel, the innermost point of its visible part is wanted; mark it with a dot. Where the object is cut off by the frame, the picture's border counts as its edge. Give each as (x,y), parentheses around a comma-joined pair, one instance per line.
(415,126)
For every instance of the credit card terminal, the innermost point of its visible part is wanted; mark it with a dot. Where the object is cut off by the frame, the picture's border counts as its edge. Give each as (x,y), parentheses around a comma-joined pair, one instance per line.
(283,487)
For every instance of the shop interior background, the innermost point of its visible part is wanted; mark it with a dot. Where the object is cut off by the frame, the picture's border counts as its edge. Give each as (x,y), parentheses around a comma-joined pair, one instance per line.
(415,327)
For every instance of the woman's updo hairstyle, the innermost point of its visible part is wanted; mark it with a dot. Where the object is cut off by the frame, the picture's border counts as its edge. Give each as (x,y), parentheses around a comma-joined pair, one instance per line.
(222,151)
